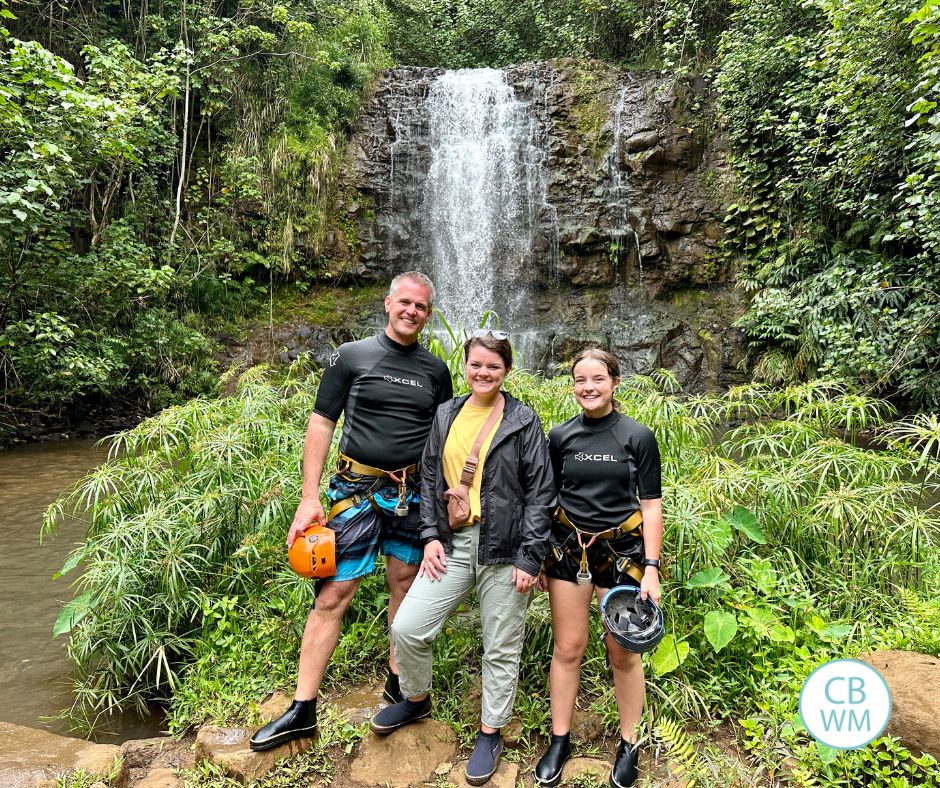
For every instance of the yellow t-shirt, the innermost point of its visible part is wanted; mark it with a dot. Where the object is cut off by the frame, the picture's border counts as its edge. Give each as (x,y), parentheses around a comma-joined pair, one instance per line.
(460,439)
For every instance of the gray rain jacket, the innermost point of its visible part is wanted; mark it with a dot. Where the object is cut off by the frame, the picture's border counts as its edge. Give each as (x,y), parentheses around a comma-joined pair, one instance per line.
(518,489)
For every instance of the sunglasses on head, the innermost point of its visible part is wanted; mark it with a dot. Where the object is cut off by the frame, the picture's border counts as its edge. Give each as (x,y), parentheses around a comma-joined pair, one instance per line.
(482,332)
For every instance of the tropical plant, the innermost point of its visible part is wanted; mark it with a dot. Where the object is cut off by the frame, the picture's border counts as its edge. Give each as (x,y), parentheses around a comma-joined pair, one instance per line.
(828,106)
(185,595)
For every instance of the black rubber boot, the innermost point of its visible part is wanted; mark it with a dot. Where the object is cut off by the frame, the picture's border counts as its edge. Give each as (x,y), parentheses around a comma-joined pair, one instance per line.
(392,691)
(550,766)
(484,760)
(624,773)
(298,721)
(393,717)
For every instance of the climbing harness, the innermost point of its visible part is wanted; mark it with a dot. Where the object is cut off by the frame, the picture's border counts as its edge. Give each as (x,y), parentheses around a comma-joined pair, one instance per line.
(635,623)
(632,526)
(346,467)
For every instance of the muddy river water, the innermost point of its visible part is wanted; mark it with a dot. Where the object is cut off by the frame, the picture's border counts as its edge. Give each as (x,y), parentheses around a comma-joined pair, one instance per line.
(34,669)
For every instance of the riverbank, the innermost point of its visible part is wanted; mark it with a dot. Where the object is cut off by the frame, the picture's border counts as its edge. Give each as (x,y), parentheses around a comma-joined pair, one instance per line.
(344,754)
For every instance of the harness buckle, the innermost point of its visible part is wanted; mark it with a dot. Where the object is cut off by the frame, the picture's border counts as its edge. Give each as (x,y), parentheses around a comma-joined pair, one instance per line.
(401,508)
(584,578)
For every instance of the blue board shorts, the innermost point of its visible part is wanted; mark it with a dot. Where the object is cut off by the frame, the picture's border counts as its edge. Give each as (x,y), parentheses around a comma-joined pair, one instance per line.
(364,530)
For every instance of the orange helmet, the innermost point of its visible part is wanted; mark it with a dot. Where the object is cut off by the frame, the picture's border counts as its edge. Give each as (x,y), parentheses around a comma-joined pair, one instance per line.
(314,553)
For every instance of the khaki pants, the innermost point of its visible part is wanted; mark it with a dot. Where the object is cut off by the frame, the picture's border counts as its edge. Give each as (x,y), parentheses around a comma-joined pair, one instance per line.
(502,615)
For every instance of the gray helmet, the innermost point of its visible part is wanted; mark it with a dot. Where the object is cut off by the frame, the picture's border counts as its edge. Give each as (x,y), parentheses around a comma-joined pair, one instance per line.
(635,623)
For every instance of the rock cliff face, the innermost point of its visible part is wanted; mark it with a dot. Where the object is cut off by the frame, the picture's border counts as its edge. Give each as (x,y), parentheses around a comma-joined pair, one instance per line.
(625,217)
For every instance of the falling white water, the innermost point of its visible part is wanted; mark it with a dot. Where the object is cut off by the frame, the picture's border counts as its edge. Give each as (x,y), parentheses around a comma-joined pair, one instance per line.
(621,232)
(483,193)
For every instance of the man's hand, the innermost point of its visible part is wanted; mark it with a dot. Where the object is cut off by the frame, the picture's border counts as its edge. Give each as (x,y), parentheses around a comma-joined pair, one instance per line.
(649,585)
(523,580)
(309,511)
(435,560)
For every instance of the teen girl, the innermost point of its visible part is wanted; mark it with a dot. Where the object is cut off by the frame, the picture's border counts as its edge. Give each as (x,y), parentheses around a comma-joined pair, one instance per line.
(607,471)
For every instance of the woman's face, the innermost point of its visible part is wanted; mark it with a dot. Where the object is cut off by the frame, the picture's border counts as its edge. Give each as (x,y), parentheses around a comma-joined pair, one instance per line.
(485,371)
(594,387)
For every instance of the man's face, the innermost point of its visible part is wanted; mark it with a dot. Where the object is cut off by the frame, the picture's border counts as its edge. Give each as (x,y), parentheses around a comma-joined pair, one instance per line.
(408,310)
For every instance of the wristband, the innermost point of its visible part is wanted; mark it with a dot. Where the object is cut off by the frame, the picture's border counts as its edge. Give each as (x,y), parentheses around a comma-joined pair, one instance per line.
(650,562)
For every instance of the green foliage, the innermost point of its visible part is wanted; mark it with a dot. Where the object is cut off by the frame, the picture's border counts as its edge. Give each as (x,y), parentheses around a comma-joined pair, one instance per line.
(496,33)
(835,218)
(155,179)
(81,778)
(189,599)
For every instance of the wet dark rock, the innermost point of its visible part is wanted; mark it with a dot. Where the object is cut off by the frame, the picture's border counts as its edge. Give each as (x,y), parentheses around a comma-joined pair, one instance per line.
(630,221)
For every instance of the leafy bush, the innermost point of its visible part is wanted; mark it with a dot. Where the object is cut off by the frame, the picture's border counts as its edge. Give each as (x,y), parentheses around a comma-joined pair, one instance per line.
(835,215)
(186,597)
(150,184)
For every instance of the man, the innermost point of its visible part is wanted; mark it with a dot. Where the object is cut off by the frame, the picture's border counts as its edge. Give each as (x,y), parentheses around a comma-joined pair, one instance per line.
(389,387)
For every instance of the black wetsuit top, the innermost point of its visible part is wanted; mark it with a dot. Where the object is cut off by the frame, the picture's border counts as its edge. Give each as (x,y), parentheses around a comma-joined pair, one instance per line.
(389,392)
(603,467)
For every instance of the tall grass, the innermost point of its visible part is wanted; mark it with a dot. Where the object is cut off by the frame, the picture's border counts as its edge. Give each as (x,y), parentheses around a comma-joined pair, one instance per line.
(776,519)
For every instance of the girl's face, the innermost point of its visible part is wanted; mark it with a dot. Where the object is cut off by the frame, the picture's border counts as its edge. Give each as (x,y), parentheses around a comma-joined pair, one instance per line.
(594,387)
(485,371)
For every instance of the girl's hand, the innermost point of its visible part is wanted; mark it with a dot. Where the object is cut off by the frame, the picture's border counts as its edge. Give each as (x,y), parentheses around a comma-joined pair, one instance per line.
(435,560)
(649,585)
(523,580)
(542,581)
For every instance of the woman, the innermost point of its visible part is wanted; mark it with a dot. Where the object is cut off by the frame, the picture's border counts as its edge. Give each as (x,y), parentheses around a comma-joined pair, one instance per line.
(498,551)
(607,471)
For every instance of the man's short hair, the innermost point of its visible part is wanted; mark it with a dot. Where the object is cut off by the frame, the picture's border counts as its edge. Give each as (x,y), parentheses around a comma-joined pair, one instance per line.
(416,277)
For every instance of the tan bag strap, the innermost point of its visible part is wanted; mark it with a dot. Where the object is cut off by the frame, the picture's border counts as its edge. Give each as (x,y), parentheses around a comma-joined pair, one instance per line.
(470,466)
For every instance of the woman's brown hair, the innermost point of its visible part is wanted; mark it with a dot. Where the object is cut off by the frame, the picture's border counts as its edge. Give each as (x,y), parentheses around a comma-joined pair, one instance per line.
(500,347)
(609,360)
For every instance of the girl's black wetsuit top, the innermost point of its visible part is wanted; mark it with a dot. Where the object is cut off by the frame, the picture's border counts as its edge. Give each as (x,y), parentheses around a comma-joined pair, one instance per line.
(603,467)
(389,392)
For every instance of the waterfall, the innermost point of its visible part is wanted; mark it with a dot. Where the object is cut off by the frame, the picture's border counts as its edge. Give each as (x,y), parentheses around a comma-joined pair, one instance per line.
(483,196)
(621,232)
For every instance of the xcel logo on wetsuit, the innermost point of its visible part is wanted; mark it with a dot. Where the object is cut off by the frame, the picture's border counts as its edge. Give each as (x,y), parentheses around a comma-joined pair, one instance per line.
(583,457)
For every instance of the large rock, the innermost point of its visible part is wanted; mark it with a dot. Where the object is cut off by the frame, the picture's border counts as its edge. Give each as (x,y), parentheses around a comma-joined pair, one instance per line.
(160,751)
(30,758)
(406,757)
(913,680)
(160,778)
(229,748)
(507,774)
(586,726)
(360,704)
(582,767)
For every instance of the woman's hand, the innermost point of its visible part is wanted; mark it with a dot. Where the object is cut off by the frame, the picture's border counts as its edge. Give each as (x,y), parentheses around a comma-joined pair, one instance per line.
(523,580)
(649,585)
(542,581)
(435,560)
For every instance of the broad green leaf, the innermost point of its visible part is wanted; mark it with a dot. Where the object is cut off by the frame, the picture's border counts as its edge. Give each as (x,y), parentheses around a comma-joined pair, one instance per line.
(826,754)
(744,521)
(763,575)
(669,655)
(718,533)
(720,628)
(71,562)
(836,631)
(71,613)
(793,727)
(707,578)
(762,619)
(781,633)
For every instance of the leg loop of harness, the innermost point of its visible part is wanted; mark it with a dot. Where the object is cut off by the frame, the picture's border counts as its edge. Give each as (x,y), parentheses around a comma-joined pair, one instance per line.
(631,526)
